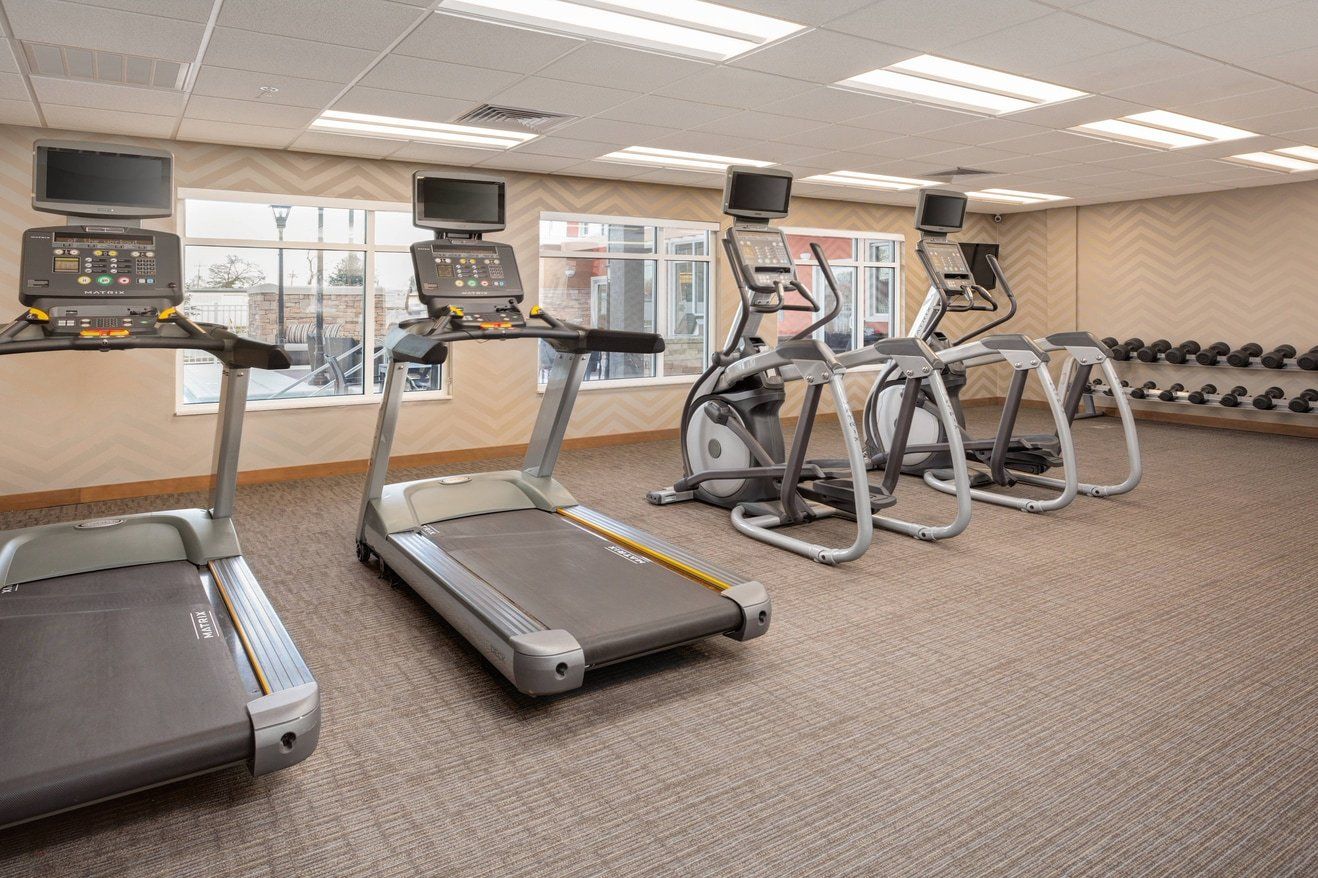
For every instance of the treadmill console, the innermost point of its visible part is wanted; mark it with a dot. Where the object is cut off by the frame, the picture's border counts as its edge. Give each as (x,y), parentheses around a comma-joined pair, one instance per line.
(99,279)
(764,260)
(948,261)
(479,278)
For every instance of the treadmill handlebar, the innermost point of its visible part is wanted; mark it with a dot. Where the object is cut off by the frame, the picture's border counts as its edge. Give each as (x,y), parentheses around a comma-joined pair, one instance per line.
(228,347)
(413,343)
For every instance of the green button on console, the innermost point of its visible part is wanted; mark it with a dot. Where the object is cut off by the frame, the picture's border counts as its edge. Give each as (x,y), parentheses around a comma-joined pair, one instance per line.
(104,280)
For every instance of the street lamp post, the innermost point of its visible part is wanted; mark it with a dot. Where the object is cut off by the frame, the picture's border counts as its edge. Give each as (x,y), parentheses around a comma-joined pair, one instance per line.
(281,212)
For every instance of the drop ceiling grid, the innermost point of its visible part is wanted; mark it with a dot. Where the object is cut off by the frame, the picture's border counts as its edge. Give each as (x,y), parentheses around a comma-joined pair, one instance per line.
(1241,62)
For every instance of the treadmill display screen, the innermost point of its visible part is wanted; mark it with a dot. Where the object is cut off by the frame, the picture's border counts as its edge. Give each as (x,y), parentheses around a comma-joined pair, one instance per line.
(87,177)
(947,259)
(442,200)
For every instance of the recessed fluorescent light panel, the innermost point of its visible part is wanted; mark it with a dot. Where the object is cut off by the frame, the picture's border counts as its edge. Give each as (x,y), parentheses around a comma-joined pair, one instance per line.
(1013,196)
(684,27)
(928,79)
(869,181)
(683,161)
(1293,160)
(1163,130)
(393,128)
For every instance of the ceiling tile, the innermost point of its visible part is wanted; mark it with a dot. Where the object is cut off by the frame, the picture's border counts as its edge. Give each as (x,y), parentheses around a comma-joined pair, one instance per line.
(459,40)
(361,99)
(611,131)
(564,147)
(670,112)
(62,23)
(754,125)
(825,104)
(911,147)
(1040,44)
(1281,123)
(1045,142)
(222,82)
(970,156)
(990,130)
(8,61)
(1078,112)
(821,56)
(440,153)
(1281,30)
(682,178)
(188,10)
(366,24)
(1097,151)
(440,78)
(1220,81)
(249,112)
(267,53)
(101,96)
(84,119)
(574,99)
(18,113)
(814,12)
(210,131)
(736,147)
(932,27)
(1298,67)
(1279,99)
(12,88)
(842,137)
(731,87)
(1166,17)
(1133,65)
(602,64)
(604,170)
(344,144)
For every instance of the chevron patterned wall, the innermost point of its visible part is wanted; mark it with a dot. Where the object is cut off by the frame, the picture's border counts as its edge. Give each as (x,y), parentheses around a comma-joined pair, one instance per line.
(76,420)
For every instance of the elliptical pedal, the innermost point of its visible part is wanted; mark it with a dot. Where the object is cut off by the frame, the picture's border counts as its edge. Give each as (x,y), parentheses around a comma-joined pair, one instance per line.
(841,494)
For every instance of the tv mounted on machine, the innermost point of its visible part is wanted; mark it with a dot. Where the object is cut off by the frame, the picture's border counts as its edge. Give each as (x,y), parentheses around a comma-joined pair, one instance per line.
(75,179)
(757,193)
(454,202)
(940,211)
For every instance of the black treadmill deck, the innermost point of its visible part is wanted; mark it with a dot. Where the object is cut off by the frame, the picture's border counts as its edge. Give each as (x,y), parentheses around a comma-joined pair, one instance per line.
(615,600)
(116,680)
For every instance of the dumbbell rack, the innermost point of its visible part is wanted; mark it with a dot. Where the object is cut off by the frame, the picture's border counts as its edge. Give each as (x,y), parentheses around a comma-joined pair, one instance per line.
(1212,403)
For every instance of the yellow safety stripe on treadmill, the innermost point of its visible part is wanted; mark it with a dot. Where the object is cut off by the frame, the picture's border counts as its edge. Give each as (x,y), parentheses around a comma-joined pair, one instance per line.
(38,314)
(682,567)
(166,315)
(242,635)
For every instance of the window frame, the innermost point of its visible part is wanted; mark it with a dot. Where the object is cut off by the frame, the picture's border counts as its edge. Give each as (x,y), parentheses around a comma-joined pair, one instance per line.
(662,303)
(897,307)
(368,248)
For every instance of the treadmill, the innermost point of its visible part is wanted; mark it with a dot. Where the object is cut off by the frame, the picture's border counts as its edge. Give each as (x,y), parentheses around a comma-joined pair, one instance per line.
(543,587)
(138,649)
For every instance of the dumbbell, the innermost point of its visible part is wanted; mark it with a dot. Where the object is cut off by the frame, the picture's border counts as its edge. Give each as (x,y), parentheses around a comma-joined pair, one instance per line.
(1128,347)
(1242,356)
(1104,389)
(1232,397)
(1151,352)
(1182,352)
(1200,396)
(1210,355)
(1169,395)
(1308,361)
(1304,402)
(1142,391)
(1268,398)
(1277,357)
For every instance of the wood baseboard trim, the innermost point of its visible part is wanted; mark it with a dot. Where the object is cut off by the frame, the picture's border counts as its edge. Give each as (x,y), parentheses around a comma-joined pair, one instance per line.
(1244,425)
(189,484)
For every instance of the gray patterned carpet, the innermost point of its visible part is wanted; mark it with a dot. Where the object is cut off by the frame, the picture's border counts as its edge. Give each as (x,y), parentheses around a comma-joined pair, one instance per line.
(1124,688)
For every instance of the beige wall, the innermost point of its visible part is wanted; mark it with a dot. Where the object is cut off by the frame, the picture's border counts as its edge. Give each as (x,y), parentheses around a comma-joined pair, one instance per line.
(75,420)
(1234,266)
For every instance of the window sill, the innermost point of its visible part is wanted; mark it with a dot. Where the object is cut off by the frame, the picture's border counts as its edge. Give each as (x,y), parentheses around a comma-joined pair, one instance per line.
(271,405)
(625,383)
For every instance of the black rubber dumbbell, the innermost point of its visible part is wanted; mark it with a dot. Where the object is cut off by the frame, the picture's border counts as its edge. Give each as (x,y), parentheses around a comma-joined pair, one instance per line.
(1233,397)
(1304,402)
(1143,391)
(1151,352)
(1308,361)
(1104,389)
(1169,395)
(1126,349)
(1268,398)
(1277,357)
(1210,355)
(1242,356)
(1182,352)
(1200,396)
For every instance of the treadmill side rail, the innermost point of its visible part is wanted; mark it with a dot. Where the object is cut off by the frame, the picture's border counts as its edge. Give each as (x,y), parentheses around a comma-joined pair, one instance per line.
(285,727)
(546,662)
(756,609)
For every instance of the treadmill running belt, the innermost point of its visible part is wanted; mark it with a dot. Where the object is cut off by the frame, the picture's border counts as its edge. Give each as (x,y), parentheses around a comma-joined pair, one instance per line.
(112,681)
(615,602)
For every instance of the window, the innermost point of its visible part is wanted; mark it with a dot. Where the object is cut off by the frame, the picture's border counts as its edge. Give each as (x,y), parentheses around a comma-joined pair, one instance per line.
(631,274)
(868,271)
(325,278)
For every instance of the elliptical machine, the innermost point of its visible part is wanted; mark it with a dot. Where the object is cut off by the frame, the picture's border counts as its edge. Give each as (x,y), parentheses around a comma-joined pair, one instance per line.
(732,443)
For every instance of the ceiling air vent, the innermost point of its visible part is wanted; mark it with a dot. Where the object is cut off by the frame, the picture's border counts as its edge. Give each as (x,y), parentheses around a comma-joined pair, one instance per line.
(959,172)
(94,65)
(490,116)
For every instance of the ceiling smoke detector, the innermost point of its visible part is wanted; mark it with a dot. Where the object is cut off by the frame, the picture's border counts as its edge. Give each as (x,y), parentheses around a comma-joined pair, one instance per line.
(513,118)
(95,65)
